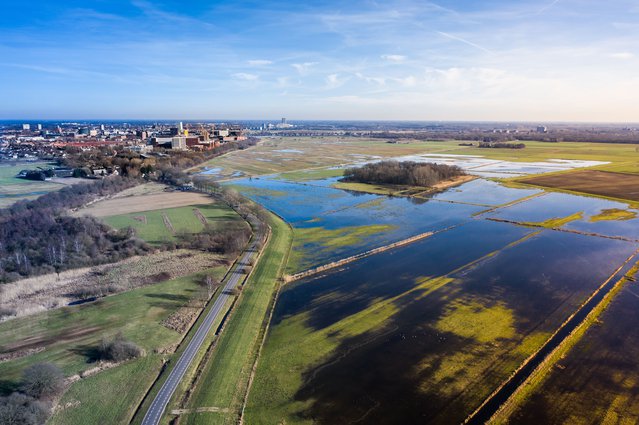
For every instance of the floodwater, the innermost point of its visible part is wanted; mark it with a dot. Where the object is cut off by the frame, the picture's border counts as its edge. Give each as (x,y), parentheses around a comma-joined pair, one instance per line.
(597,380)
(398,372)
(404,323)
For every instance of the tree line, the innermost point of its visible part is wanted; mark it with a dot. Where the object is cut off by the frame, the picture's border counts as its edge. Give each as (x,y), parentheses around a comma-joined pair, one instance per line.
(407,173)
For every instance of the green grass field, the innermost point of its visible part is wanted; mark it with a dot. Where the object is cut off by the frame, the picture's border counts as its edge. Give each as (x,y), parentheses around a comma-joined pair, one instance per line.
(13,189)
(70,333)
(151,227)
(225,376)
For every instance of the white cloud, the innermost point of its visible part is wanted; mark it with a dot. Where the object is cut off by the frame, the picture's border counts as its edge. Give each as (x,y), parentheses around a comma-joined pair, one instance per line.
(303,68)
(259,62)
(622,55)
(245,76)
(333,81)
(394,58)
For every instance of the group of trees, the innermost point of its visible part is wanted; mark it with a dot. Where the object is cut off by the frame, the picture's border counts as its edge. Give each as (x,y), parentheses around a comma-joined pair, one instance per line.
(402,173)
(501,145)
(118,349)
(30,405)
(38,237)
(229,239)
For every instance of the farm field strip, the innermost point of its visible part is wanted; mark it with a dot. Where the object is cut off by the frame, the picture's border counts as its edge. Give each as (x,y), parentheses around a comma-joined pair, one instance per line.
(161,225)
(119,205)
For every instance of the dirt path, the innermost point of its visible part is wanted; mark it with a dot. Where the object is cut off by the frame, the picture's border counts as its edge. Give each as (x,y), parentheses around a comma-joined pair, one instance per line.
(200,216)
(168,223)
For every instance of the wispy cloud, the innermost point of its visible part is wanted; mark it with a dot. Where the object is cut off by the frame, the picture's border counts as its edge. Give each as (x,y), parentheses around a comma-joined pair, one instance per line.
(622,55)
(394,58)
(303,68)
(259,62)
(245,76)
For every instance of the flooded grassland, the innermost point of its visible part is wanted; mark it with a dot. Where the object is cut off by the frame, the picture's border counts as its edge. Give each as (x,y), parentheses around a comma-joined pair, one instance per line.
(425,332)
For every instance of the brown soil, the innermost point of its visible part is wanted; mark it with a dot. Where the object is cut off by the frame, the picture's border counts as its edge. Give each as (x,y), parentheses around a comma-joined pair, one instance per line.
(615,185)
(140,218)
(140,203)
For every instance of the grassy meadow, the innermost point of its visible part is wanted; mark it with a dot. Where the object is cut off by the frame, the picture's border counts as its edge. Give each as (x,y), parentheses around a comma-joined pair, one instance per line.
(158,226)
(13,189)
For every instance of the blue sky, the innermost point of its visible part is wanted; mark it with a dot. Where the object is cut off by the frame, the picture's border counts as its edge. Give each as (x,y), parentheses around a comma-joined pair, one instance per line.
(545,60)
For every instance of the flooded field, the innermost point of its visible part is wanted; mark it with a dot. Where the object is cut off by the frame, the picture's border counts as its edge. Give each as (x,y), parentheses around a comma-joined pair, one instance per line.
(598,381)
(331,224)
(423,333)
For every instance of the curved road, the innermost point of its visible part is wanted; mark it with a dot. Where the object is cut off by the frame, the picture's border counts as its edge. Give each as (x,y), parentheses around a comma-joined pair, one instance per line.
(154,414)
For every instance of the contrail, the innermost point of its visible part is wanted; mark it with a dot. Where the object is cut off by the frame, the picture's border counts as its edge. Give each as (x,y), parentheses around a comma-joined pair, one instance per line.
(461,40)
(545,8)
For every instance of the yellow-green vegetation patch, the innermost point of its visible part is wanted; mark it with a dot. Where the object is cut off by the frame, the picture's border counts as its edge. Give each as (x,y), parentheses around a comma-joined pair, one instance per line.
(479,322)
(369,188)
(614,214)
(304,175)
(293,348)
(556,222)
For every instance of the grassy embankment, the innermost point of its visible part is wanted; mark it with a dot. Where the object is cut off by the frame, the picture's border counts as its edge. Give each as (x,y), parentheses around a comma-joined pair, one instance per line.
(13,189)
(536,380)
(151,226)
(225,376)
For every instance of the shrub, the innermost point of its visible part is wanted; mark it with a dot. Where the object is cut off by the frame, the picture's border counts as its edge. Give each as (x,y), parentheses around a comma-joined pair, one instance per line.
(118,349)
(20,409)
(42,380)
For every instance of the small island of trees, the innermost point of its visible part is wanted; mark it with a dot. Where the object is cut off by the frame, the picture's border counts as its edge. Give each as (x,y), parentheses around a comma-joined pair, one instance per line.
(407,173)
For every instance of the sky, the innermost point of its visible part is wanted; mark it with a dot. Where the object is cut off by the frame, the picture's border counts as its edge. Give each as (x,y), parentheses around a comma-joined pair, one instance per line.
(497,60)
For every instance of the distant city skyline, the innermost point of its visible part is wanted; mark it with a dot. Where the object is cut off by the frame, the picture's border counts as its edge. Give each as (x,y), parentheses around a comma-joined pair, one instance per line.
(550,61)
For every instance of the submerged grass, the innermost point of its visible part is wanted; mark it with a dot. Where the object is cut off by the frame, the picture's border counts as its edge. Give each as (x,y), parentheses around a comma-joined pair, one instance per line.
(314,240)
(614,214)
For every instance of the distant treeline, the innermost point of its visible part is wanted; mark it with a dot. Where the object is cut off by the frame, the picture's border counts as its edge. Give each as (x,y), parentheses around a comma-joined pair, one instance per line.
(38,237)
(501,145)
(403,173)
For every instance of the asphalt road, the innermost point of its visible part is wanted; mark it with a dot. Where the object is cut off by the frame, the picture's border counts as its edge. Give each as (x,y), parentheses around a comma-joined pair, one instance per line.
(154,414)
